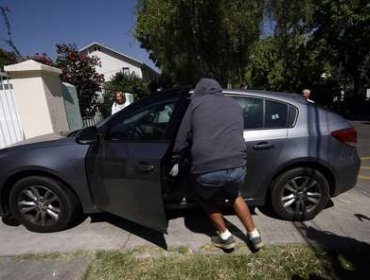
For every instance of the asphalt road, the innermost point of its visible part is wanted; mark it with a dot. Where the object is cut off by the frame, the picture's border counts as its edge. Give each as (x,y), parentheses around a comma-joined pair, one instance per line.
(347,221)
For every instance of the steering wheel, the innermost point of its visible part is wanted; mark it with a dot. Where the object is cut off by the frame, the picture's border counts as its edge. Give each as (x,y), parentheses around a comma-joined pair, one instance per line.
(138,130)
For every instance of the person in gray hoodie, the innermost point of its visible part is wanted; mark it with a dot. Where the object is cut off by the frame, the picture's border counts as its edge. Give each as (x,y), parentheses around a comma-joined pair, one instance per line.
(212,130)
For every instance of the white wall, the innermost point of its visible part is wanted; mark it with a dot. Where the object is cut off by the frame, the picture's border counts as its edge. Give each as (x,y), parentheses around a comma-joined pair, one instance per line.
(111,65)
(39,98)
(35,119)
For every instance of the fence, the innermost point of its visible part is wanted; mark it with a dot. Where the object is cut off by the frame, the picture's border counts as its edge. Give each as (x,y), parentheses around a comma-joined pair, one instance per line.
(93,114)
(10,128)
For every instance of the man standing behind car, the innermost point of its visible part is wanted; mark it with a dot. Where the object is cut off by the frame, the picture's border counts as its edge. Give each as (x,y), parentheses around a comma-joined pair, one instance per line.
(306,93)
(212,128)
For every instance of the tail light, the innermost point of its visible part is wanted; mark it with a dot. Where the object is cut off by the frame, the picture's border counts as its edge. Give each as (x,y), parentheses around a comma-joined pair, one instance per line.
(347,136)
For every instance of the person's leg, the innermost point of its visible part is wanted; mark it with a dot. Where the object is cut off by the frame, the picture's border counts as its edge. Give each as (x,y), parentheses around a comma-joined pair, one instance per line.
(243,213)
(208,188)
(237,176)
(215,216)
(224,238)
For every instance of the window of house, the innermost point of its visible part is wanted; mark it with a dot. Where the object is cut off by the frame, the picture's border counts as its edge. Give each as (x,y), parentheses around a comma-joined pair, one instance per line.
(126,70)
(149,124)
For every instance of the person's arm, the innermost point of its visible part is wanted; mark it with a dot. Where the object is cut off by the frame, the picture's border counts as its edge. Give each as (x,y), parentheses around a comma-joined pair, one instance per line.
(114,108)
(182,142)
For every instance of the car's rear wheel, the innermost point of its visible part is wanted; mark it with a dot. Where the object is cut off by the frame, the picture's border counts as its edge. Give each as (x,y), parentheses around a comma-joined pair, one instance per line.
(299,194)
(43,204)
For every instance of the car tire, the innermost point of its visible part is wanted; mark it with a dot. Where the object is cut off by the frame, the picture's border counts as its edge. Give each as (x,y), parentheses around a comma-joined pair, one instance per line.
(299,194)
(43,204)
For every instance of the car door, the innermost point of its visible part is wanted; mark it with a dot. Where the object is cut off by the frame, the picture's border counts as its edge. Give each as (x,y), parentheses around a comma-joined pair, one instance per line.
(265,133)
(125,166)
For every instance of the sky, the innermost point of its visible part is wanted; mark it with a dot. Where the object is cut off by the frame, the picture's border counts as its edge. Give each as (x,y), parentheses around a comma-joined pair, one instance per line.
(37,25)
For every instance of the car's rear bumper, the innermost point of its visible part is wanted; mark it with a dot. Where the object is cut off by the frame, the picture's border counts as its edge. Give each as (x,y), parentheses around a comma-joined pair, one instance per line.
(347,174)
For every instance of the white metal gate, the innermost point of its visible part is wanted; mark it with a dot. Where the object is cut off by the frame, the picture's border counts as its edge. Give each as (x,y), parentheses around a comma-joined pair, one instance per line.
(10,128)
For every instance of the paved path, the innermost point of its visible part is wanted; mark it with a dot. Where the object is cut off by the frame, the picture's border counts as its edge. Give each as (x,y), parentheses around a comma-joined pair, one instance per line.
(349,217)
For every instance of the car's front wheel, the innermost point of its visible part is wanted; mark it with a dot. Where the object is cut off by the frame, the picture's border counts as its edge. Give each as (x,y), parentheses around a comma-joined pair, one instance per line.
(43,204)
(299,194)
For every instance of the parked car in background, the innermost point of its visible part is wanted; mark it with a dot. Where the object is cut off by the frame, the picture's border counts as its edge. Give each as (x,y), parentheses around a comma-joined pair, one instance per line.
(299,155)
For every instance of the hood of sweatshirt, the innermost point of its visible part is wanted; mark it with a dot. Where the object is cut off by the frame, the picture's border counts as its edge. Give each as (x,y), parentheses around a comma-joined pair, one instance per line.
(207,86)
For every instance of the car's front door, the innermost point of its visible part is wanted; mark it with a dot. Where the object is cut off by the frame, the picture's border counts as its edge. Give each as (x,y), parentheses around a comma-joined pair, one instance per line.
(125,166)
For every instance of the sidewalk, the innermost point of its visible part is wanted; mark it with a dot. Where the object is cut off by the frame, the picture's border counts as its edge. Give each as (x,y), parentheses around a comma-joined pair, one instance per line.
(13,269)
(346,222)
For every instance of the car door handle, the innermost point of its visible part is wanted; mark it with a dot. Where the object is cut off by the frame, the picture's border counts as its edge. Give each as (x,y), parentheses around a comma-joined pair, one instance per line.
(263,146)
(145,167)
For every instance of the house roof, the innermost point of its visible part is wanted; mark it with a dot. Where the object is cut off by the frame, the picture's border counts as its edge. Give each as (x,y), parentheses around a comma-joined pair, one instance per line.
(116,54)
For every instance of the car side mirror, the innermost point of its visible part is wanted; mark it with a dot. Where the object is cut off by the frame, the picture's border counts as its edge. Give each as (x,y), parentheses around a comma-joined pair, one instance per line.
(87,136)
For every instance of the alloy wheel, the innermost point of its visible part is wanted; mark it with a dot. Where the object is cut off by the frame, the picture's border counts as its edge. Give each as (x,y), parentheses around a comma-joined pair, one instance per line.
(301,195)
(39,205)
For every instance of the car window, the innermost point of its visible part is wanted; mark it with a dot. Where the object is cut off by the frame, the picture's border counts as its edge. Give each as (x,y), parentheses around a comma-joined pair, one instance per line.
(276,114)
(252,111)
(145,125)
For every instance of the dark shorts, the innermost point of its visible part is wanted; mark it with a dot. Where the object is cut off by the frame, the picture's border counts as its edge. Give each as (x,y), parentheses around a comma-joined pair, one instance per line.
(220,184)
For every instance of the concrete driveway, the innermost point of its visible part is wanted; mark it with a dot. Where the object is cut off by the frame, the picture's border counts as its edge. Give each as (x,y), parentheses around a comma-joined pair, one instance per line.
(347,220)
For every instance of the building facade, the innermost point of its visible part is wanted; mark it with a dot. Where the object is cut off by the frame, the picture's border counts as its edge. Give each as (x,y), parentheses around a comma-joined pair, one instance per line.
(112,62)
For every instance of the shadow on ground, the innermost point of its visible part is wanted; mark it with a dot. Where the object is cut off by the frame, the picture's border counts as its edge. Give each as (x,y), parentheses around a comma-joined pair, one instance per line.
(268,211)
(194,219)
(197,221)
(362,218)
(347,257)
(148,234)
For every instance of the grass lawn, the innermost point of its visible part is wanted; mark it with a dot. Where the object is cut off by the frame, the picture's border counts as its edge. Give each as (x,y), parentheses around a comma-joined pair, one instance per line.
(276,262)
(272,262)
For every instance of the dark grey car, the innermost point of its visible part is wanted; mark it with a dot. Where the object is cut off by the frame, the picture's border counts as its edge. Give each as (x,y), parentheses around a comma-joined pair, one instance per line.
(299,155)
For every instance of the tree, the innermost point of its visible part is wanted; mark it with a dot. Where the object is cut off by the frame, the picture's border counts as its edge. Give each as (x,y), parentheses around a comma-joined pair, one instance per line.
(289,17)
(336,32)
(126,83)
(7,58)
(299,66)
(42,58)
(282,60)
(4,10)
(191,39)
(79,70)
(344,26)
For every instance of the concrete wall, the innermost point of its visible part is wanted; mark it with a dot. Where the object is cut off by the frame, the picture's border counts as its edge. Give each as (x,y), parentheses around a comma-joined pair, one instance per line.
(111,65)
(39,97)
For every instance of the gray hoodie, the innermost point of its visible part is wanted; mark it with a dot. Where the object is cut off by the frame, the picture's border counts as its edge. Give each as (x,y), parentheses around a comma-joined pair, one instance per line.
(213,129)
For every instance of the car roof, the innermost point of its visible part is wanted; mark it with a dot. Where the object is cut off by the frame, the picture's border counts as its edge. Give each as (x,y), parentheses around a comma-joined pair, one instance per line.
(282,96)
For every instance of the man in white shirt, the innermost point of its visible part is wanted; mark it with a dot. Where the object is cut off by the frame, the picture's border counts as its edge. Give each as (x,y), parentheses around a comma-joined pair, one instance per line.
(306,94)
(120,102)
